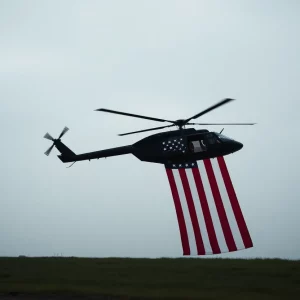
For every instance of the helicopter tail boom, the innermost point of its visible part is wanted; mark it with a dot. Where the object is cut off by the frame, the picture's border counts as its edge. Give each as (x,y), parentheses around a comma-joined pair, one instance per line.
(67,157)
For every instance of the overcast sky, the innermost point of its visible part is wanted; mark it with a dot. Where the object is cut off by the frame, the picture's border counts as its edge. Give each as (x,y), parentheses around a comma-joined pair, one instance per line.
(60,60)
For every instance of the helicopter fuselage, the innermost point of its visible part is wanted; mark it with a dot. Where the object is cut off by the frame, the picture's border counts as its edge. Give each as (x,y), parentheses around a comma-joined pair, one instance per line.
(176,146)
(183,146)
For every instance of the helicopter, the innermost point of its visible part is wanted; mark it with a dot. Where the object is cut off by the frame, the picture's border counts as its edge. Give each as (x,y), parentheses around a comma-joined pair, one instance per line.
(176,146)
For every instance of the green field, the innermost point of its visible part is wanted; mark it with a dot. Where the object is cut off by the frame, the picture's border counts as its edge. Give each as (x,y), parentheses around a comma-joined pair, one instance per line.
(152,278)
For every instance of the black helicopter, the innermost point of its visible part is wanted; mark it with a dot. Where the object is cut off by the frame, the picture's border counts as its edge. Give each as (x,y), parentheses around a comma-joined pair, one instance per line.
(177,146)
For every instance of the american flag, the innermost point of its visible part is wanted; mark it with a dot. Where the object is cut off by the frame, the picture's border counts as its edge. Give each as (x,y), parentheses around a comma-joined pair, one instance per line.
(175,145)
(208,212)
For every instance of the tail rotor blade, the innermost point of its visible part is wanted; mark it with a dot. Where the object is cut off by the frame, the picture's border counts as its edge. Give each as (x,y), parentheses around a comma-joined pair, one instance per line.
(63,132)
(49,150)
(48,137)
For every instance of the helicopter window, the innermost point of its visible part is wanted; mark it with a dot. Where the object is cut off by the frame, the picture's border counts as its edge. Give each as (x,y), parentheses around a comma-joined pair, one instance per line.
(224,138)
(211,139)
(197,146)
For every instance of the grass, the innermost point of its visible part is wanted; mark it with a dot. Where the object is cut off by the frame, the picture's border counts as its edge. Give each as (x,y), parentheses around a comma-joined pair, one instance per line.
(152,278)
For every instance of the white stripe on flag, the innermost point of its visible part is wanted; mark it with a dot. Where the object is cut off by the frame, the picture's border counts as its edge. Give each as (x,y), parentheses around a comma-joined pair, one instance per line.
(186,213)
(227,205)
(212,208)
(199,212)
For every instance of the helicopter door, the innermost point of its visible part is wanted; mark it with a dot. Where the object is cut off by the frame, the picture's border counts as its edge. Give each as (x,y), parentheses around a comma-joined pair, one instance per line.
(197,146)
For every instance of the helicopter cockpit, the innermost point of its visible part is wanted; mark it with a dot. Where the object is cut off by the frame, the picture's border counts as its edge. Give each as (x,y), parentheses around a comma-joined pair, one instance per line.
(197,146)
(202,142)
(206,141)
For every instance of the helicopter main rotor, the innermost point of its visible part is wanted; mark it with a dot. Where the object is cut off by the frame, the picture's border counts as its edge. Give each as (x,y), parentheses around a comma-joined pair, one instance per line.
(180,123)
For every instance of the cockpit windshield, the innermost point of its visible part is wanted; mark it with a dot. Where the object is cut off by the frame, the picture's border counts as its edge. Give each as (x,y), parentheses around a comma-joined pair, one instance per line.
(223,137)
(211,138)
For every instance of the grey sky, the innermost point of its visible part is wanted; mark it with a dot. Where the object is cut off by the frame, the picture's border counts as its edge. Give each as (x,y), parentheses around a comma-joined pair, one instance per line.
(60,60)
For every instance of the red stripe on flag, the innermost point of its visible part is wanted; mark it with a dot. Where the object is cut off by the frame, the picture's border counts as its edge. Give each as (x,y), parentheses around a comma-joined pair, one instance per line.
(235,204)
(219,205)
(206,213)
(192,210)
(179,212)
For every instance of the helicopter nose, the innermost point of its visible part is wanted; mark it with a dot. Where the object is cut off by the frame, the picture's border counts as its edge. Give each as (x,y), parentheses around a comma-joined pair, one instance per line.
(238,146)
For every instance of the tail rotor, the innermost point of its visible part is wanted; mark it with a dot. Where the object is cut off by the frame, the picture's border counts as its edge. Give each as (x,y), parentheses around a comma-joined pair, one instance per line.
(49,137)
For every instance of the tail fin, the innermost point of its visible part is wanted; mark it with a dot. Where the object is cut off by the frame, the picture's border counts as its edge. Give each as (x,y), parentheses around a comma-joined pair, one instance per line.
(67,155)
(63,149)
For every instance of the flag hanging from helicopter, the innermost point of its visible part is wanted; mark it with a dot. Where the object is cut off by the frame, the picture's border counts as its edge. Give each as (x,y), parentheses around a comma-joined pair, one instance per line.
(208,212)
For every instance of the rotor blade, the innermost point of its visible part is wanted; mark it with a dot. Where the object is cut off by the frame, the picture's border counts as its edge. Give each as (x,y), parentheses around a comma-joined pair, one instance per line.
(132,115)
(49,150)
(209,109)
(63,132)
(48,137)
(220,123)
(156,128)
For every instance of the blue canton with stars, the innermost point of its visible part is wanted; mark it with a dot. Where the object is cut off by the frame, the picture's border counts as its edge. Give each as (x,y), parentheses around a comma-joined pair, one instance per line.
(174,146)
(183,165)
